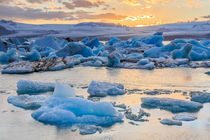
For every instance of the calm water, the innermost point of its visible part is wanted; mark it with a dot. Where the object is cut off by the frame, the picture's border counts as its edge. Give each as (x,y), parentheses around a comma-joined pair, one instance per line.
(16,123)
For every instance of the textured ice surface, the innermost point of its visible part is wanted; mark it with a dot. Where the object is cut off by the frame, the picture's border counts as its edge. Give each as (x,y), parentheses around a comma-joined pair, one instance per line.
(104,88)
(32,87)
(173,105)
(28,101)
(184,117)
(171,122)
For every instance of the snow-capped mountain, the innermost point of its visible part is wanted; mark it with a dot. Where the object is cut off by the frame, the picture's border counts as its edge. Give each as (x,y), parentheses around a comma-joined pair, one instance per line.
(104,31)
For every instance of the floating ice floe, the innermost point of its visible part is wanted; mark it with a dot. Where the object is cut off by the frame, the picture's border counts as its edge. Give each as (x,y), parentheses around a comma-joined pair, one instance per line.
(171,122)
(64,110)
(28,101)
(184,117)
(89,129)
(104,88)
(173,105)
(201,97)
(32,87)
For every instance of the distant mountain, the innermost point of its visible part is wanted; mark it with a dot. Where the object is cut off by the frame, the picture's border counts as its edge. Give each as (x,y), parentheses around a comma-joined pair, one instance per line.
(104,31)
(4,31)
(96,24)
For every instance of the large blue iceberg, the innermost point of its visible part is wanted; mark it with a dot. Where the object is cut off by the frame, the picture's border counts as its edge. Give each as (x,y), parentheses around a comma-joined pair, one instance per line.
(62,109)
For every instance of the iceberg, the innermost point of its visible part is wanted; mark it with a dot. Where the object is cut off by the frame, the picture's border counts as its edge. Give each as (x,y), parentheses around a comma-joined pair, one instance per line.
(48,41)
(32,56)
(31,102)
(8,57)
(155,39)
(114,59)
(102,89)
(182,52)
(113,40)
(170,122)
(92,43)
(182,117)
(62,109)
(154,52)
(74,110)
(32,87)
(70,49)
(173,105)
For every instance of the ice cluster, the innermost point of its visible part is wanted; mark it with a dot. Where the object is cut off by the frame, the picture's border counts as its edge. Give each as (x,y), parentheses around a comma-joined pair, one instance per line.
(135,53)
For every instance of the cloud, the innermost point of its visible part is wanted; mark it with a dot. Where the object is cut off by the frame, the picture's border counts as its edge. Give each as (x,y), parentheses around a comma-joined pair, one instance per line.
(132,2)
(29,13)
(82,4)
(38,1)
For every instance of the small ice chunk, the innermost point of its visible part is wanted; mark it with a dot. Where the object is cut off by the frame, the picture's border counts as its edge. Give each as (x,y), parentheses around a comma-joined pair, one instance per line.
(28,102)
(89,129)
(114,59)
(104,88)
(173,105)
(170,122)
(182,117)
(63,90)
(32,87)
(143,62)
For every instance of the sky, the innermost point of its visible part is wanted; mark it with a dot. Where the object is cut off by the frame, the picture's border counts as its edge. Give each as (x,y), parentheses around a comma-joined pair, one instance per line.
(123,12)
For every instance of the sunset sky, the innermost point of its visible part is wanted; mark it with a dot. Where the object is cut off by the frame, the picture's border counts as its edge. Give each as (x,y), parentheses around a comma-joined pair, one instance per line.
(124,12)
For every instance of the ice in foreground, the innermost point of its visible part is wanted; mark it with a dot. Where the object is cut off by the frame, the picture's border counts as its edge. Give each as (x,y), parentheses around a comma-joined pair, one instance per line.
(182,117)
(104,88)
(64,110)
(172,105)
(27,101)
(32,87)
(171,122)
